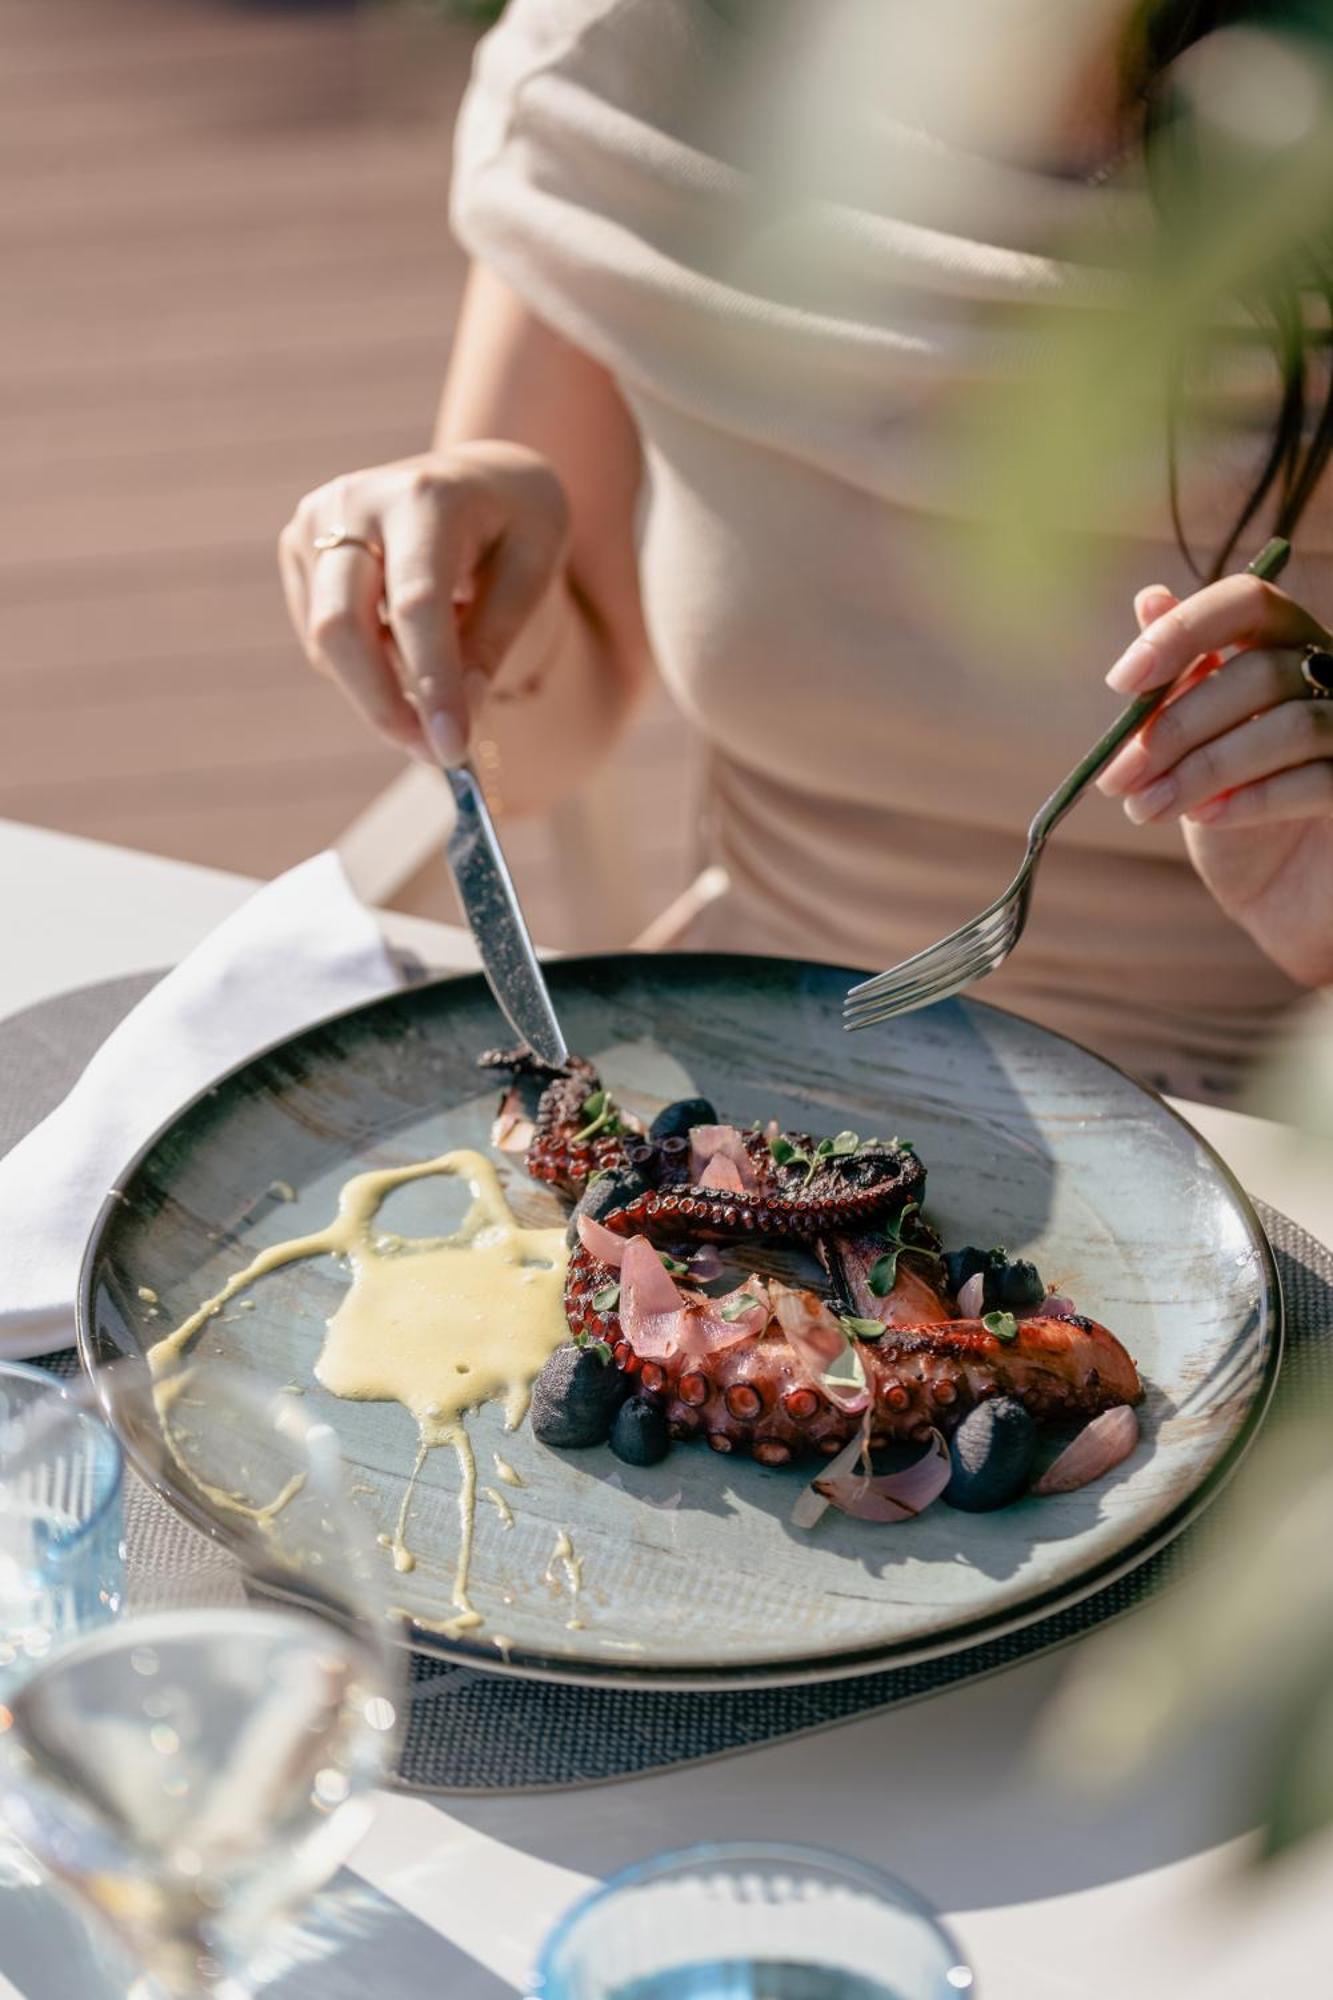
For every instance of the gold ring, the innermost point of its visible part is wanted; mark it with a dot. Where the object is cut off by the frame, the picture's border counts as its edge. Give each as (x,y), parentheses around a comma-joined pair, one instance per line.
(343,538)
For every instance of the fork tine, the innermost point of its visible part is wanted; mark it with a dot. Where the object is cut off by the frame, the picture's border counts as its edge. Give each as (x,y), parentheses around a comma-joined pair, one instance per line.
(991,924)
(930,968)
(911,1003)
(898,992)
(921,992)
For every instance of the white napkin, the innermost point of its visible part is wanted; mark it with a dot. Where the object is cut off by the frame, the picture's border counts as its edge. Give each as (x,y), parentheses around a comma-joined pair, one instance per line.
(302,947)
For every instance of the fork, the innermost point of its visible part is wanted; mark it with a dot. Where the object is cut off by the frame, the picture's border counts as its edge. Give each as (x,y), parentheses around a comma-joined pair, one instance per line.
(982,945)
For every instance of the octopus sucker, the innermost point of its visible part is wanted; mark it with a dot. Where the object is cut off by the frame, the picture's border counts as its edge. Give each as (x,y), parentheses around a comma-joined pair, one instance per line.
(925,1355)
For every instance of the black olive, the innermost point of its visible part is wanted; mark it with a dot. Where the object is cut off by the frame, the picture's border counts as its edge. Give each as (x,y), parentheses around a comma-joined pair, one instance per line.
(674,1121)
(609,1191)
(1021,1284)
(960,1265)
(991,1455)
(639,1435)
(576,1396)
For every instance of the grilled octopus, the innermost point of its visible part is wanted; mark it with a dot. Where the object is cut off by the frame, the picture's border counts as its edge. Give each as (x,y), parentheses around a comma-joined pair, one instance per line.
(743,1371)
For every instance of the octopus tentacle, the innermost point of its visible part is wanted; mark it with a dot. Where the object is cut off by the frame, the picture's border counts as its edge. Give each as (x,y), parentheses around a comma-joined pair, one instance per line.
(927,1369)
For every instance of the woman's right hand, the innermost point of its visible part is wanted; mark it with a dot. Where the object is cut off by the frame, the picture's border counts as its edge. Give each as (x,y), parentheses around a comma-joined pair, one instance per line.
(472,539)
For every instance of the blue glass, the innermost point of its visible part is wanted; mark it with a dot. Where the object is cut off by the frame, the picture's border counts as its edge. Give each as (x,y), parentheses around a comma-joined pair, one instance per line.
(62,1548)
(752,1922)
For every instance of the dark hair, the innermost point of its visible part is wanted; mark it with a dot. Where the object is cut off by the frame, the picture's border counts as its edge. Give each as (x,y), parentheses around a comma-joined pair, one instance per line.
(1302,439)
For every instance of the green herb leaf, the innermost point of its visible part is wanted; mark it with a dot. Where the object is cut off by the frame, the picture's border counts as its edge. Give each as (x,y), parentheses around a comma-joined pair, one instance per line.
(1003,1325)
(674,1268)
(783,1151)
(608,1297)
(602,1349)
(742,1303)
(595,1105)
(883,1273)
(862,1329)
(823,1149)
(845,1143)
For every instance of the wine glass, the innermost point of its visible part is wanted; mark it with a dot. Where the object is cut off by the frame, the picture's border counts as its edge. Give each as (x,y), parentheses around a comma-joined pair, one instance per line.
(62,1558)
(758,1920)
(194,1770)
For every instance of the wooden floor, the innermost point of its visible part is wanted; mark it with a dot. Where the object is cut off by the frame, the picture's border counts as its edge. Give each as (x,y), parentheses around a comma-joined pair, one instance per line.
(226,276)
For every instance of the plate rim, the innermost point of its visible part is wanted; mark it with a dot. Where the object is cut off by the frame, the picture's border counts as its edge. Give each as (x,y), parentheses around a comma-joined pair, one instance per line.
(877,1657)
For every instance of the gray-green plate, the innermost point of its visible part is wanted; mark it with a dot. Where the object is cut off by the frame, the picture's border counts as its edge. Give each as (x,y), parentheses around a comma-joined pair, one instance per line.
(692,1575)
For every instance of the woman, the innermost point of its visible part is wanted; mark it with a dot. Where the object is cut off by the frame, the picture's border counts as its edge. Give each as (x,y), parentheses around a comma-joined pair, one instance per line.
(699,422)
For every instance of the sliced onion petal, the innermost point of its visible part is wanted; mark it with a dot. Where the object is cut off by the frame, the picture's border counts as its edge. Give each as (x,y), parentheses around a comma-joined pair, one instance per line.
(601,1242)
(512,1131)
(812,1502)
(810,1327)
(972,1296)
(707,1331)
(722,1172)
(706,1264)
(1103,1443)
(646,1286)
(892,1496)
(707,1142)
(1055,1305)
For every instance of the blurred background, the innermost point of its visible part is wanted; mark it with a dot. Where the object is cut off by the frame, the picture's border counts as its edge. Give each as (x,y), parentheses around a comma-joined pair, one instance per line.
(228,276)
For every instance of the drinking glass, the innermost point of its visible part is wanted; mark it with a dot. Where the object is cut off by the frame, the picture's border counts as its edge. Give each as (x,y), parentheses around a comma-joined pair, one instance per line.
(752,1922)
(195,1770)
(62,1556)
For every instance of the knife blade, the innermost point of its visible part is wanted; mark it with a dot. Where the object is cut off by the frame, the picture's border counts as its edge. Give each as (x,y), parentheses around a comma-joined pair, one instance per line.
(490,902)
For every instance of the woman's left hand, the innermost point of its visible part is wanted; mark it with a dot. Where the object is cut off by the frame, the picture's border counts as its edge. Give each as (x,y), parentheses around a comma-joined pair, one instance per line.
(1242,754)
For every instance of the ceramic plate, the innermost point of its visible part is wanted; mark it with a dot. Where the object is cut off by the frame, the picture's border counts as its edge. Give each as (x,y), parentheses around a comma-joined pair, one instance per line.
(692,1575)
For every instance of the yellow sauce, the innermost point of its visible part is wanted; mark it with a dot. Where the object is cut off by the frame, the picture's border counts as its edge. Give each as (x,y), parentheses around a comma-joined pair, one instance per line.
(440,1325)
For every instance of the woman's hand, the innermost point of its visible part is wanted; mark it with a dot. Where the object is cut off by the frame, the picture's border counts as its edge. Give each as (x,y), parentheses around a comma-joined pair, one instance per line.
(1242,754)
(471,538)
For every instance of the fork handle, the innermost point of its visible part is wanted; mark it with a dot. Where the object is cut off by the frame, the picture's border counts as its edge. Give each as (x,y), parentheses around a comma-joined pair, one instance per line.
(1269,564)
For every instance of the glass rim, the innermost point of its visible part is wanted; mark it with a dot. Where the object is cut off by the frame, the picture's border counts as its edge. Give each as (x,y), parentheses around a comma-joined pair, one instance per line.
(890,1887)
(115,1464)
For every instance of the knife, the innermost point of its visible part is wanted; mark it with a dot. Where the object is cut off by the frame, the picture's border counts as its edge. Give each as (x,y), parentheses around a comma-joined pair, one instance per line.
(490,902)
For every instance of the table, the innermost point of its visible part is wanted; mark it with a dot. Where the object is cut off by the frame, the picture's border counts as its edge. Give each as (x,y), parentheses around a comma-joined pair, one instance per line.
(1053,1899)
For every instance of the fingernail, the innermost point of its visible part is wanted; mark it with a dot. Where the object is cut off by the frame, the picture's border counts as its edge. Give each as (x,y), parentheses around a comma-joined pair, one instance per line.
(1152,801)
(1134,669)
(1122,774)
(446,738)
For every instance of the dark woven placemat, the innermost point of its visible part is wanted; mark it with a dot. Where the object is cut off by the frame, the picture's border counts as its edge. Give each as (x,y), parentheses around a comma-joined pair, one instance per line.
(474,1732)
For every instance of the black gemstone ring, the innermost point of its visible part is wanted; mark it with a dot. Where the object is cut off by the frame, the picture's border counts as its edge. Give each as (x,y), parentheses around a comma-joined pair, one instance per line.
(1317,672)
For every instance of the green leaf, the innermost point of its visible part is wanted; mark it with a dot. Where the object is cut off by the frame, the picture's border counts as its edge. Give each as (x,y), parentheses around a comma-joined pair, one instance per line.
(599,1347)
(674,1268)
(608,1297)
(883,1273)
(742,1303)
(783,1151)
(862,1329)
(1003,1325)
(845,1143)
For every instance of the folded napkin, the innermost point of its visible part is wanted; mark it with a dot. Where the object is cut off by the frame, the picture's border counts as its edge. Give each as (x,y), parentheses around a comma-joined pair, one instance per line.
(302,947)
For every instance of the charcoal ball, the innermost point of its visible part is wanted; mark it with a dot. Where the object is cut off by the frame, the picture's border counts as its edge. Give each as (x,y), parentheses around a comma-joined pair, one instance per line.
(960,1265)
(1020,1284)
(639,1434)
(674,1121)
(575,1398)
(608,1192)
(992,1455)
